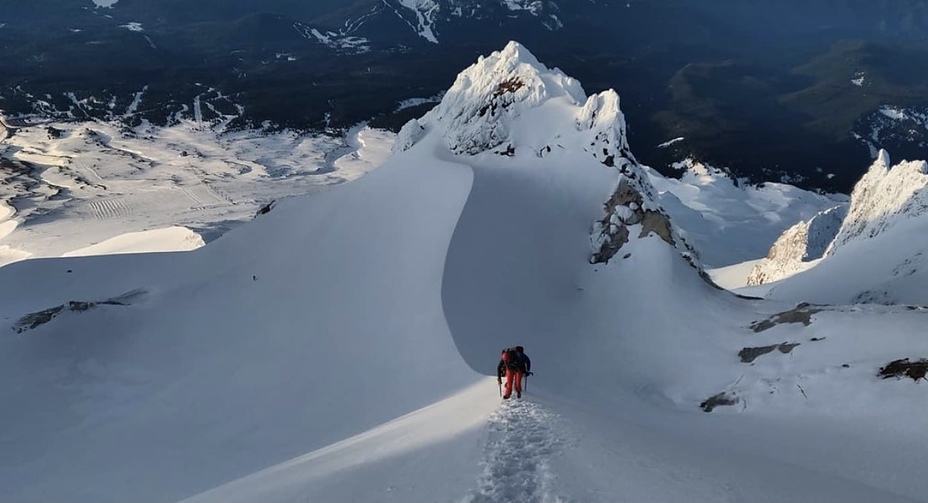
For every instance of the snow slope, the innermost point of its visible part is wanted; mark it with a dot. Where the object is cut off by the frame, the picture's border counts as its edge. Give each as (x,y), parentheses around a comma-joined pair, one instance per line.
(241,325)
(336,349)
(878,254)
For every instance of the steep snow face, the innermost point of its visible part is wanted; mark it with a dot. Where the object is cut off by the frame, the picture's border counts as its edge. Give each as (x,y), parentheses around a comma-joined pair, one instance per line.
(510,104)
(799,247)
(884,196)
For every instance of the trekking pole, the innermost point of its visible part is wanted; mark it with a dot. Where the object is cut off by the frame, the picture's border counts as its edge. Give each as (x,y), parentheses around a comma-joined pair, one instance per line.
(500,383)
(526,382)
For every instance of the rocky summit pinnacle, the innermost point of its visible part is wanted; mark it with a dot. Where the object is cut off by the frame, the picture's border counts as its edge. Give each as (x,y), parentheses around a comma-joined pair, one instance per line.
(508,104)
(884,196)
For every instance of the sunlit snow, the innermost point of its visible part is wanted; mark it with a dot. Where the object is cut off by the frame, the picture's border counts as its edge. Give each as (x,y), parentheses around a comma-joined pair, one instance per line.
(342,345)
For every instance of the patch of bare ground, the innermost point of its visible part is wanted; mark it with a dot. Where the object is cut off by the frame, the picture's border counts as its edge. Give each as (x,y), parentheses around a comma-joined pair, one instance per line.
(802,313)
(719,400)
(904,368)
(34,320)
(748,355)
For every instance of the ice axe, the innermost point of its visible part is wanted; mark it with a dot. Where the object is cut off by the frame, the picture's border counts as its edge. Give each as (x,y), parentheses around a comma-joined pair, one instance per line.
(499,381)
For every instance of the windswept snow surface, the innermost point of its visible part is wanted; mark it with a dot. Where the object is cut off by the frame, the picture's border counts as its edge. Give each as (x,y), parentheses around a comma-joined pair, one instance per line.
(78,184)
(337,349)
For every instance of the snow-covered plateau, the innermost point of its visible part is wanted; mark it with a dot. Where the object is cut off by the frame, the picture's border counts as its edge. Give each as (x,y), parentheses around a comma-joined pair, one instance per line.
(341,346)
(71,185)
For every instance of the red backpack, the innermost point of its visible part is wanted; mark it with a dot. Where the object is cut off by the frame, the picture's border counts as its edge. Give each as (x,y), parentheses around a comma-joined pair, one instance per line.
(512,360)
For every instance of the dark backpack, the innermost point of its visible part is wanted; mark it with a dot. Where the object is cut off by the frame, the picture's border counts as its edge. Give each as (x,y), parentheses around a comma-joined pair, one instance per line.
(513,361)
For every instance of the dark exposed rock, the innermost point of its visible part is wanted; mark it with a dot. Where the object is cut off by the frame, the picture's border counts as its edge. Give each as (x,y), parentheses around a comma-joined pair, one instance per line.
(904,368)
(264,210)
(748,355)
(34,320)
(509,152)
(802,313)
(719,400)
(615,231)
(610,248)
(506,87)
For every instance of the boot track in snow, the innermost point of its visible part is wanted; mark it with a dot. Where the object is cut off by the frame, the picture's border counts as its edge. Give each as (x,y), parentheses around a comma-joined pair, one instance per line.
(516,469)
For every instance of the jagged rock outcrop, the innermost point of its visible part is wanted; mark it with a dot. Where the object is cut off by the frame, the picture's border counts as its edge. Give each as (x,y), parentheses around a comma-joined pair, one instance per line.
(632,204)
(490,99)
(798,246)
(885,195)
(510,104)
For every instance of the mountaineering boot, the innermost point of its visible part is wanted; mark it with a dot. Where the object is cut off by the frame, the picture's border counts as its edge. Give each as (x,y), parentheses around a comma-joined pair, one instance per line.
(518,394)
(505,397)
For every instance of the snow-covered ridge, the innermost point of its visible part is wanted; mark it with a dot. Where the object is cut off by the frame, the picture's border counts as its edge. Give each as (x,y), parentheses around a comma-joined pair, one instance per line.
(799,247)
(878,255)
(510,104)
(480,111)
(885,195)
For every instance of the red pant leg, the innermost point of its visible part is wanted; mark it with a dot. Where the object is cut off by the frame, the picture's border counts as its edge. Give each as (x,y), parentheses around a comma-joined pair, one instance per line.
(510,375)
(518,379)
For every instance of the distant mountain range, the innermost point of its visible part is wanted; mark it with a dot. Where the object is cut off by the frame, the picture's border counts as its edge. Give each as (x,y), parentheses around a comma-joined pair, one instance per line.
(772,90)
